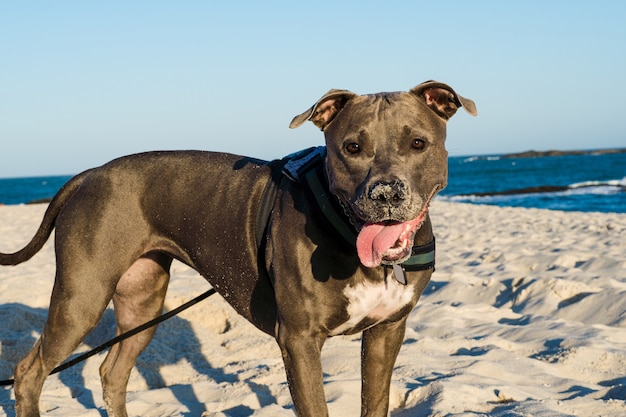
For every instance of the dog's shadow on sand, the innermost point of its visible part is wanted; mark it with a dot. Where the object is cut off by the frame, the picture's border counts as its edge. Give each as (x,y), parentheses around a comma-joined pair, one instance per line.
(21,324)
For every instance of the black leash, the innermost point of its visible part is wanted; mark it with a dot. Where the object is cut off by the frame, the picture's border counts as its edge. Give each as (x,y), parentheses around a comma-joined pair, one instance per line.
(125,336)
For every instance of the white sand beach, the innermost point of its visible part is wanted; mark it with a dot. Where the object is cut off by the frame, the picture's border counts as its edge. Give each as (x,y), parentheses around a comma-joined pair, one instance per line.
(525,316)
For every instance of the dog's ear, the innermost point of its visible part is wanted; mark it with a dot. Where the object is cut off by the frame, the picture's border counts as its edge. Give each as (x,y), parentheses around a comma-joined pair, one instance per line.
(324,110)
(442,99)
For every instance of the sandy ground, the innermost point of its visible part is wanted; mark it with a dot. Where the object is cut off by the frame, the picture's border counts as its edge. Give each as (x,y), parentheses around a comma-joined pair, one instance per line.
(524,316)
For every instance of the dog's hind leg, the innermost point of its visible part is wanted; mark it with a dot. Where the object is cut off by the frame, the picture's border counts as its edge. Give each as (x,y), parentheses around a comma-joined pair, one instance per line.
(75,310)
(138,298)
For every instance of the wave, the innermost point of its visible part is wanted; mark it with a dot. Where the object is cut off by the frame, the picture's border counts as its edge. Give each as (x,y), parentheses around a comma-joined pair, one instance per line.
(611,183)
(580,188)
(481,158)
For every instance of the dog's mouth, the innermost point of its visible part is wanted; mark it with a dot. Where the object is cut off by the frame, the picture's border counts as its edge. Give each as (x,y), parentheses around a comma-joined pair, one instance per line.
(389,242)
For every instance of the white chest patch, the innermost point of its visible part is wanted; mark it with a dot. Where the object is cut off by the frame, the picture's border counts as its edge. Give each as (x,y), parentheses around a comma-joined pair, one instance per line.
(376,301)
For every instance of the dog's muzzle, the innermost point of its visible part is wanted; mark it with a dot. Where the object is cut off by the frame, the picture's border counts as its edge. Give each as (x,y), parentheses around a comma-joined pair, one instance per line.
(389,241)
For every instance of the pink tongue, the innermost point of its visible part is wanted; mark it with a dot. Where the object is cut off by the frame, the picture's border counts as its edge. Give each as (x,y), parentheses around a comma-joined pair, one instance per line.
(375,239)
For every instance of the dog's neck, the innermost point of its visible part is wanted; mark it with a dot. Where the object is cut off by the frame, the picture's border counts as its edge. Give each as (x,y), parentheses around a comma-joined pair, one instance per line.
(307,168)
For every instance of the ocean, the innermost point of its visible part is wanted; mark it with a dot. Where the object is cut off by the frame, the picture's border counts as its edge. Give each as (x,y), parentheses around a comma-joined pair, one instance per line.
(588,182)
(31,189)
(585,182)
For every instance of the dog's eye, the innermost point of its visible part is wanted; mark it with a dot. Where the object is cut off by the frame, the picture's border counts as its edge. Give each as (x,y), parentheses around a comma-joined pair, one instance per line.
(419,144)
(353,148)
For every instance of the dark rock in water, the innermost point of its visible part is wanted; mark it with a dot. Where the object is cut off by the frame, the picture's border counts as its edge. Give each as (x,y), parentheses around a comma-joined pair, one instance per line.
(40,201)
(541,154)
(534,190)
(529,190)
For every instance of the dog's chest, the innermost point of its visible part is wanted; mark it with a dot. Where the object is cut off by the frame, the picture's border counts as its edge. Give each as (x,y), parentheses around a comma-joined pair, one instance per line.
(374,302)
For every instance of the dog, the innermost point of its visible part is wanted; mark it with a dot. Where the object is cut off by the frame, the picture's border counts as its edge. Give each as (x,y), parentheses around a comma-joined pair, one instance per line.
(335,240)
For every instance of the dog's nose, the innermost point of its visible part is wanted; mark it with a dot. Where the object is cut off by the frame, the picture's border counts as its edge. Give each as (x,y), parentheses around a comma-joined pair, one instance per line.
(392,193)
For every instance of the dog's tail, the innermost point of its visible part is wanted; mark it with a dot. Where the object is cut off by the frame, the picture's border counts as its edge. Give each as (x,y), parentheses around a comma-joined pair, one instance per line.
(47,224)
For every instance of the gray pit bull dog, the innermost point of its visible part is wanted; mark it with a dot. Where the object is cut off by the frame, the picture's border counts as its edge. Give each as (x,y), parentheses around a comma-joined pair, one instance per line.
(301,273)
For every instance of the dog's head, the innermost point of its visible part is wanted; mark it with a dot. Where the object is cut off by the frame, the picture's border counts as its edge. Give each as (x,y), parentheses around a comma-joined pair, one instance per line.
(386,160)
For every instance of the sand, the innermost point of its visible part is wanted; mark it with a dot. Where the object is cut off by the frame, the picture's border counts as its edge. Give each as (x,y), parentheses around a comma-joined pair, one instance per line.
(524,316)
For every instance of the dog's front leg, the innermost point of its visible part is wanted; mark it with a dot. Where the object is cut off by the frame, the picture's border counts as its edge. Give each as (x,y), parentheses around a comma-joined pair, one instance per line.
(379,350)
(303,365)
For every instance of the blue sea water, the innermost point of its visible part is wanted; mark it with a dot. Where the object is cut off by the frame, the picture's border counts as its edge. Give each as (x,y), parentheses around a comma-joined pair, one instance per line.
(32,189)
(588,183)
(572,183)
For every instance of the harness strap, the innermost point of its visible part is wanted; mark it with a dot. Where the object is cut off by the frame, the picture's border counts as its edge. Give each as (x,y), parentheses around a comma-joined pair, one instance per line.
(422,257)
(314,181)
(267,200)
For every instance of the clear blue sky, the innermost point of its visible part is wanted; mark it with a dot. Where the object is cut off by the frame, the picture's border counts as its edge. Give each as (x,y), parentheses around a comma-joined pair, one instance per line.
(82,82)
